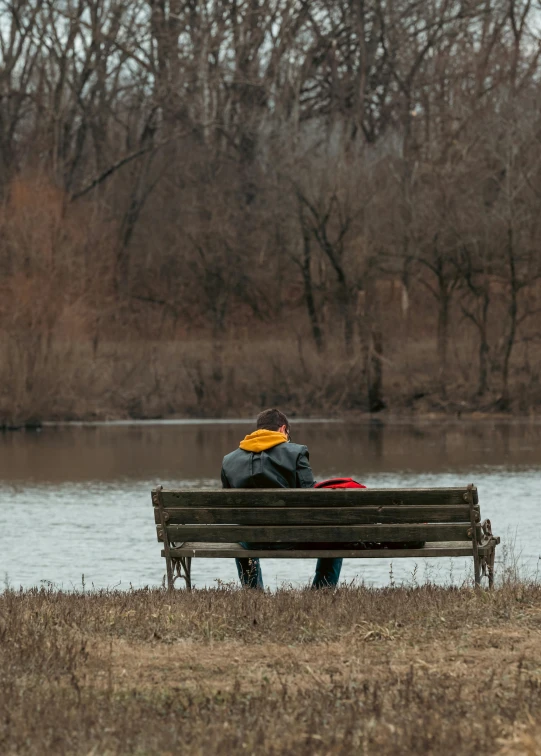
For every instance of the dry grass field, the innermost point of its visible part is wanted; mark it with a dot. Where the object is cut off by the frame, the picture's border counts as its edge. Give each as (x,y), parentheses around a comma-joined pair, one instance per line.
(357,671)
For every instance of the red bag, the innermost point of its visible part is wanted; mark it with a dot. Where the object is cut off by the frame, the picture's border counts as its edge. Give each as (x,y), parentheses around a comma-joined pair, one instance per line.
(339,483)
(350,483)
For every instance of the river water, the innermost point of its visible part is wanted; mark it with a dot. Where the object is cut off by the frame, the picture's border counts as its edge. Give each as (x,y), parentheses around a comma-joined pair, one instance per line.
(75,500)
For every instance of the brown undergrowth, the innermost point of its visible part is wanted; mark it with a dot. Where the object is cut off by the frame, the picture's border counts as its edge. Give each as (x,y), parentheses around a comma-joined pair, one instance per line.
(69,380)
(387,671)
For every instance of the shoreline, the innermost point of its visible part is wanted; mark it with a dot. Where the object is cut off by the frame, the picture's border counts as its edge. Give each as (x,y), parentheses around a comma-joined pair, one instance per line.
(350,418)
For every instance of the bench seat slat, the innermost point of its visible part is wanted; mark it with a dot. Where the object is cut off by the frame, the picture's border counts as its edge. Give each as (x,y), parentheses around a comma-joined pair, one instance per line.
(310,533)
(232,550)
(310,497)
(319,516)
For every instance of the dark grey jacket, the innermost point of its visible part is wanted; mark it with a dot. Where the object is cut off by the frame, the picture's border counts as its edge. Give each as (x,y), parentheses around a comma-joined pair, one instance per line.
(283,466)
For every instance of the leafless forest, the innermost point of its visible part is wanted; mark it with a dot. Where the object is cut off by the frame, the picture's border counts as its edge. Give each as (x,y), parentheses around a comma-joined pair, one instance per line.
(213,205)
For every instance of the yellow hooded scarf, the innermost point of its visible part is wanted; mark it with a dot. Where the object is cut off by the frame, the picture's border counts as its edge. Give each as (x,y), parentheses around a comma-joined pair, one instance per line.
(262,439)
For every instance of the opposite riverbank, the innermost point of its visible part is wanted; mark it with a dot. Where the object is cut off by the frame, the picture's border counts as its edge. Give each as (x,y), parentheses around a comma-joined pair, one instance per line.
(359,418)
(201,378)
(397,670)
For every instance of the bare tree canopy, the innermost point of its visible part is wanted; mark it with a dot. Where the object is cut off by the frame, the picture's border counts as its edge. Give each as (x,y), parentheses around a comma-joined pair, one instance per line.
(341,197)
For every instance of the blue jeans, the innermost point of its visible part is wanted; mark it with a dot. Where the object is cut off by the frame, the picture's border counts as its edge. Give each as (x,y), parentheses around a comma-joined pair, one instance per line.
(327,569)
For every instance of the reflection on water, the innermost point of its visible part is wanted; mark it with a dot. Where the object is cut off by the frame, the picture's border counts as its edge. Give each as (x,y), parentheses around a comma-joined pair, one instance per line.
(85,492)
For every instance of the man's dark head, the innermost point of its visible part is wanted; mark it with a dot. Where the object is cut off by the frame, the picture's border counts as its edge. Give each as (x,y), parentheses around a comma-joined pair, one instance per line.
(272,419)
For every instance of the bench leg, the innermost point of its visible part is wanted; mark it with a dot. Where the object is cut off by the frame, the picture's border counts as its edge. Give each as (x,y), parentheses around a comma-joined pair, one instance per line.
(182,568)
(490,568)
(169,568)
(487,564)
(477,570)
(475,547)
(188,572)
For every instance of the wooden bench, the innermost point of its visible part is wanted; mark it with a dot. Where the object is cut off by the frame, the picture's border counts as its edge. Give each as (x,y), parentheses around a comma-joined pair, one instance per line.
(211,523)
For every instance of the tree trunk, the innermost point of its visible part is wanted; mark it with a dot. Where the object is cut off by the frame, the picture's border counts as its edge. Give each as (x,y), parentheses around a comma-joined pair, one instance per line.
(443,334)
(483,347)
(309,291)
(373,361)
(483,367)
(139,195)
(345,305)
(504,401)
(375,371)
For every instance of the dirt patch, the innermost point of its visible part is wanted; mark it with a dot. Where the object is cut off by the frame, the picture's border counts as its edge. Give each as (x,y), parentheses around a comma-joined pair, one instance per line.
(372,656)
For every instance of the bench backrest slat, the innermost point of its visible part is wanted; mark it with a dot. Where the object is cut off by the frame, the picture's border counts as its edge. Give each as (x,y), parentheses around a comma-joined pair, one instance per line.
(315,533)
(316,516)
(322,497)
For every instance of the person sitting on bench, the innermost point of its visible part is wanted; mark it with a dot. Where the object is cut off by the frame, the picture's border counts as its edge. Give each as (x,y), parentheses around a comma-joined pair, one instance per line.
(267,458)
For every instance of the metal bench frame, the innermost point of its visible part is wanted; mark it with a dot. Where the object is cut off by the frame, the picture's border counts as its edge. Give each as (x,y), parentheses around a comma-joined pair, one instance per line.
(380,515)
